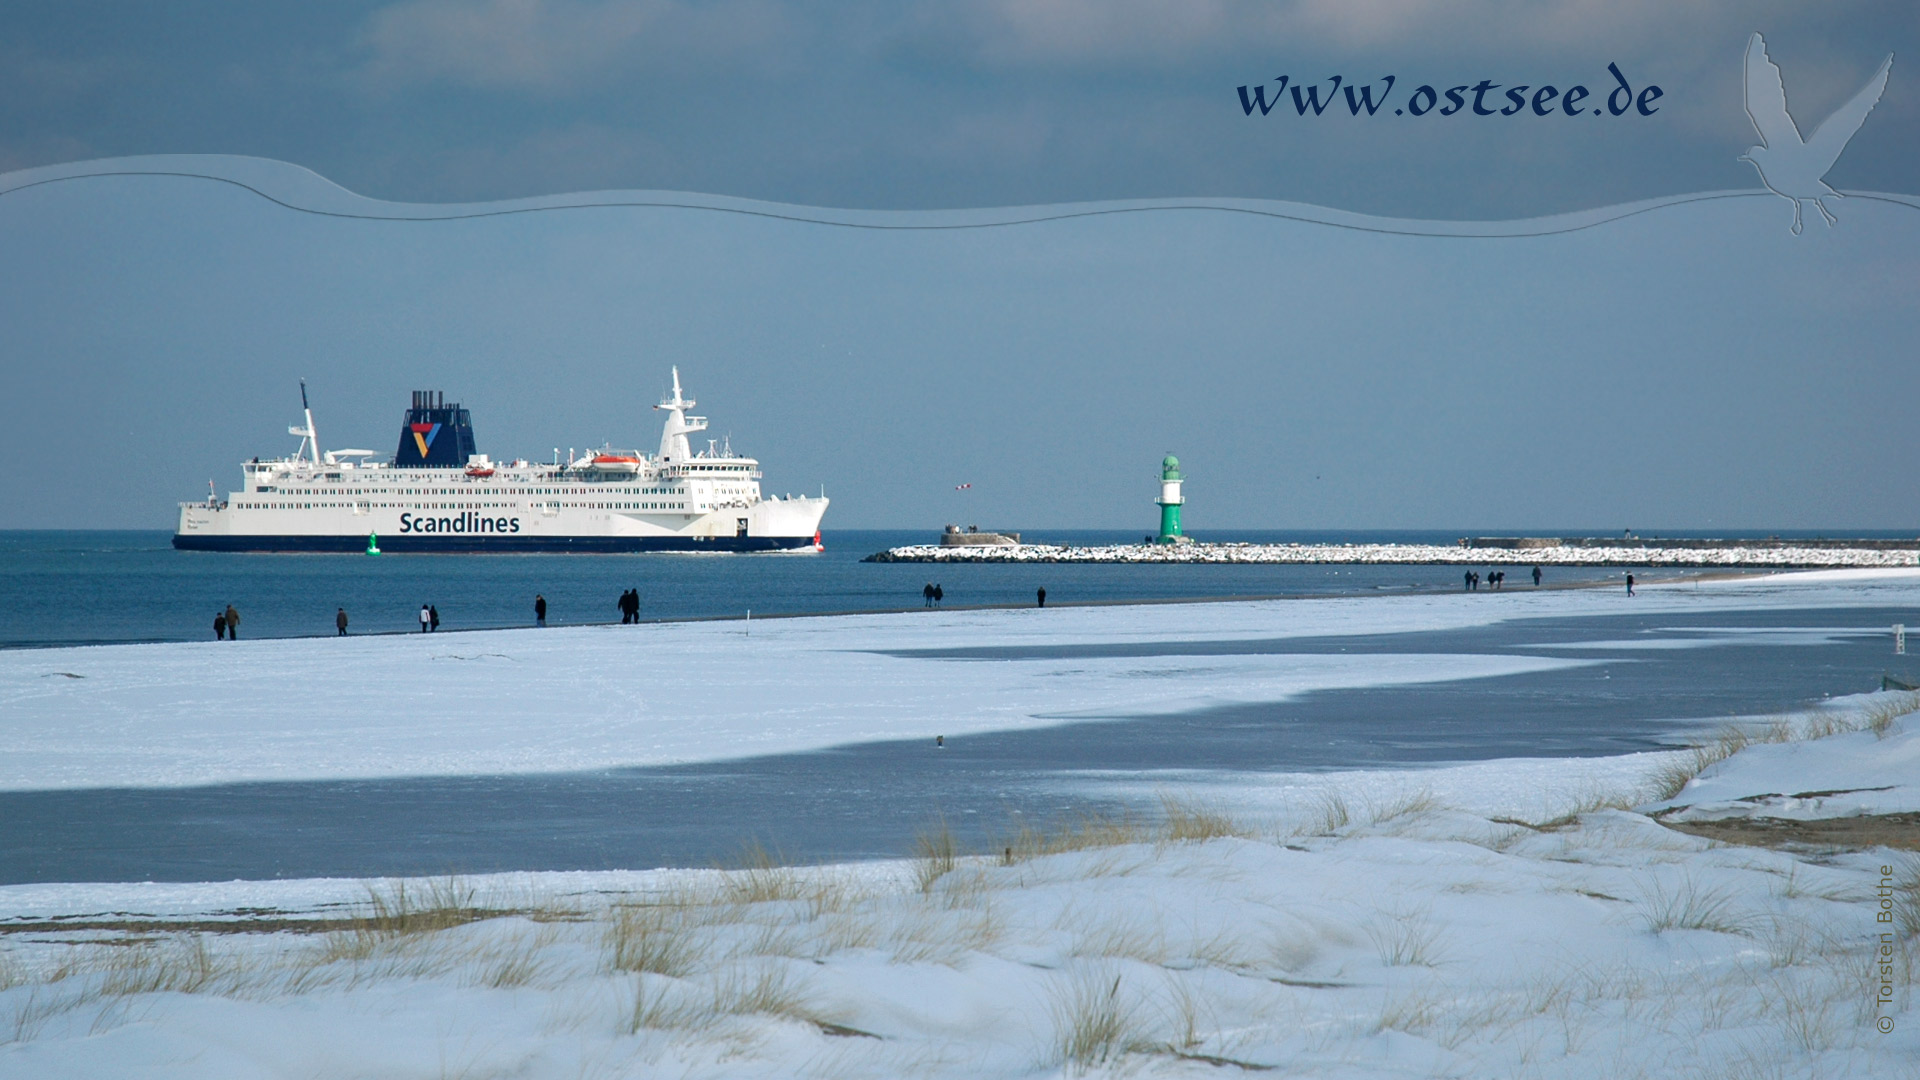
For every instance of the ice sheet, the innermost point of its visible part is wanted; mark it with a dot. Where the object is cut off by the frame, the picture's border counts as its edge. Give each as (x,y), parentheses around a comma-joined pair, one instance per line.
(519,701)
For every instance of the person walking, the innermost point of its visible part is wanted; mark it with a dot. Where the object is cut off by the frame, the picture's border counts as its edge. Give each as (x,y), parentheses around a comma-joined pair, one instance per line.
(926,594)
(939,594)
(633,606)
(433,617)
(1042,595)
(426,617)
(233,624)
(219,626)
(1466,580)
(539,610)
(340,622)
(1536,577)
(1629,584)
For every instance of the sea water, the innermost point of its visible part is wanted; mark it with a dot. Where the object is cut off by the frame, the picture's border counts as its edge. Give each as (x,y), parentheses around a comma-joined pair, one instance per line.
(76,588)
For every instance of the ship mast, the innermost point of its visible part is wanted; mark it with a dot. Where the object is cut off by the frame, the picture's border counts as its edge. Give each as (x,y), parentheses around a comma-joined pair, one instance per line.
(673,438)
(309,442)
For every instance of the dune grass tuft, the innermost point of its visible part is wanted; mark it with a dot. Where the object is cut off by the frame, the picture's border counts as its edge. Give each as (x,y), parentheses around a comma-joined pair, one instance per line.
(1405,940)
(762,877)
(1690,906)
(1409,806)
(649,937)
(1094,1025)
(1188,821)
(756,989)
(182,965)
(1906,890)
(1876,715)
(400,910)
(1415,1014)
(1086,832)
(1331,816)
(935,854)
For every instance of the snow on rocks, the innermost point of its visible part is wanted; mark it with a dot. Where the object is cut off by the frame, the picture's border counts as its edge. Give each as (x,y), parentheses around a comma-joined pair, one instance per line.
(1731,557)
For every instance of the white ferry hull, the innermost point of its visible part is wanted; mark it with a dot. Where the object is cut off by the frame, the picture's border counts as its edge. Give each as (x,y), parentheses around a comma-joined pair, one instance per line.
(483,525)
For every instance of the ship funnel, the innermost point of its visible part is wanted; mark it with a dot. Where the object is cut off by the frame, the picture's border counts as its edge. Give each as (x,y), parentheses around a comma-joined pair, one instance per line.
(435,435)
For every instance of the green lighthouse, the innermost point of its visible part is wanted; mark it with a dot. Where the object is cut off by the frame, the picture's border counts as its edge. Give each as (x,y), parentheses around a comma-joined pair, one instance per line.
(1170,500)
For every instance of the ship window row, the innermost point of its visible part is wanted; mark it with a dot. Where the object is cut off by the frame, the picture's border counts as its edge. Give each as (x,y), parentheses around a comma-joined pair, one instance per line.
(256,505)
(577,490)
(671,490)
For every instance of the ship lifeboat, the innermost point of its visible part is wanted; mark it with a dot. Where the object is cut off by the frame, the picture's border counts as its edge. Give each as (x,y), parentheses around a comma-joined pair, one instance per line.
(479,470)
(616,463)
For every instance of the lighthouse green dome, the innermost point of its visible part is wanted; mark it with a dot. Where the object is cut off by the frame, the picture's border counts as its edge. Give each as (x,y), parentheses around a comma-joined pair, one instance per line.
(1170,462)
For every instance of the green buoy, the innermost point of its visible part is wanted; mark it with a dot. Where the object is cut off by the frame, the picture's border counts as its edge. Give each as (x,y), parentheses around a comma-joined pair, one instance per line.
(373,543)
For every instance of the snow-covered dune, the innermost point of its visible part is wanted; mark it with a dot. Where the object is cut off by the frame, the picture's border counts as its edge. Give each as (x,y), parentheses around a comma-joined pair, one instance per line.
(1337,936)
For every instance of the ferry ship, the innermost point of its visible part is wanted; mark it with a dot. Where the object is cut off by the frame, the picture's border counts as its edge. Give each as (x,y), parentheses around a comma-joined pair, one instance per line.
(439,495)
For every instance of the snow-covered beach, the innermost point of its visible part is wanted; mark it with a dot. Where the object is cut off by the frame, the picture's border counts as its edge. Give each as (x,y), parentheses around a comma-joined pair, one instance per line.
(525,701)
(1535,916)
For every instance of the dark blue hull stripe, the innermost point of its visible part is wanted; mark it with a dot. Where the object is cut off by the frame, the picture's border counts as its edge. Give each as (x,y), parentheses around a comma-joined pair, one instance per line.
(443,544)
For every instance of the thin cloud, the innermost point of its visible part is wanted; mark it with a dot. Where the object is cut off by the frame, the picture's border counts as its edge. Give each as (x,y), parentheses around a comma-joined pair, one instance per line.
(556,45)
(1178,31)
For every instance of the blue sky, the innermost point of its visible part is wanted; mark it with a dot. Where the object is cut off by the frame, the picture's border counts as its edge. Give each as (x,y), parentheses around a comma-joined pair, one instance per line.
(1695,367)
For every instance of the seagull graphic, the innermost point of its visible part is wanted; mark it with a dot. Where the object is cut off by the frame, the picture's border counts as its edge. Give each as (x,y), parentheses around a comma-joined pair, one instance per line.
(1790,166)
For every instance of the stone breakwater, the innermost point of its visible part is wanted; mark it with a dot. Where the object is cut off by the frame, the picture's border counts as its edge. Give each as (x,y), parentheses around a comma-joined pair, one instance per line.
(1732,556)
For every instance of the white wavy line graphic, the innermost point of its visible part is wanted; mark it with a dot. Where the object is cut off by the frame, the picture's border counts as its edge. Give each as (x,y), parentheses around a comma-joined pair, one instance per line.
(302,190)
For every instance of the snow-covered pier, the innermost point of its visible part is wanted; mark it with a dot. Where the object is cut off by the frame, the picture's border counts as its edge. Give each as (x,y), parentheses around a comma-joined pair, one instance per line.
(1731,555)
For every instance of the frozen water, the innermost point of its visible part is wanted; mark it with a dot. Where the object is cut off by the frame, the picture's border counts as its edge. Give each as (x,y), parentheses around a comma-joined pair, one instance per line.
(425,763)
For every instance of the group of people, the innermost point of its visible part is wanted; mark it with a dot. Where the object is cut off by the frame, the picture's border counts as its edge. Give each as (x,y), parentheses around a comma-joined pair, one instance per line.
(932,594)
(1495,579)
(226,624)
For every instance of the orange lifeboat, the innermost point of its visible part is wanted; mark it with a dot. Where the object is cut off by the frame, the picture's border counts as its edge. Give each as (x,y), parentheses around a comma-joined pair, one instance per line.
(479,470)
(617,463)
